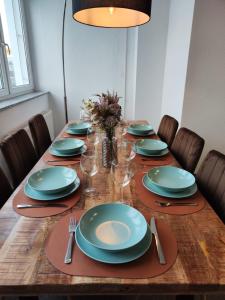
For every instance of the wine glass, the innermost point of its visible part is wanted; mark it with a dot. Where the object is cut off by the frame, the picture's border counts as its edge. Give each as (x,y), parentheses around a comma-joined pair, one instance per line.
(125,151)
(121,176)
(89,166)
(92,137)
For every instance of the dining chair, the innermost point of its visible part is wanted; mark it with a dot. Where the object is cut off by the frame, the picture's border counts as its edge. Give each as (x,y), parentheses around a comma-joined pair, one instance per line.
(187,148)
(167,129)
(211,181)
(5,188)
(19,154)
(40,134)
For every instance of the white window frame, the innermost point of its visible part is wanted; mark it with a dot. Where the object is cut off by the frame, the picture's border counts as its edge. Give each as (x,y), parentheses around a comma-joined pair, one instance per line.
(9,91)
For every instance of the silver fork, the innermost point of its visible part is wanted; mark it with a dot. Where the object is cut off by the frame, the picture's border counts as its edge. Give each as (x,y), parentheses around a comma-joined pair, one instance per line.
(72,229)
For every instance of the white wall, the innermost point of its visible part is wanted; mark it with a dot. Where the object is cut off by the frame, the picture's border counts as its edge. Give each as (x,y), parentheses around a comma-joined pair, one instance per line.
(152,39)
(178,41)
(95,58)
(204,101)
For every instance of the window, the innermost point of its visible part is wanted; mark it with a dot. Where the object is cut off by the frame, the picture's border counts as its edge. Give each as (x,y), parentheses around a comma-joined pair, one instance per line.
(15,67)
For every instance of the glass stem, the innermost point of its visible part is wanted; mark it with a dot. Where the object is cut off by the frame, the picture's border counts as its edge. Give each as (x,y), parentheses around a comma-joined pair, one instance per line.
(88,181)
(121,193)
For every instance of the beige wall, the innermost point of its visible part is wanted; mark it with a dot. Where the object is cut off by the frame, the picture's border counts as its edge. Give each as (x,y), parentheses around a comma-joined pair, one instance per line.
(204,101)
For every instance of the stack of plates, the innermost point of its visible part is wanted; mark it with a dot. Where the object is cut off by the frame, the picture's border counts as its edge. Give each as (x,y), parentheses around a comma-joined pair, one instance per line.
(140,129)
(78,128)
(67,147)
(172,182)
(149,147)
(52,183)
(113,233)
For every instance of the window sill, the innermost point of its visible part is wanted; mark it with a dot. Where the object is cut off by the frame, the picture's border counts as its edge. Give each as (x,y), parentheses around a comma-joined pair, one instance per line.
(5,104)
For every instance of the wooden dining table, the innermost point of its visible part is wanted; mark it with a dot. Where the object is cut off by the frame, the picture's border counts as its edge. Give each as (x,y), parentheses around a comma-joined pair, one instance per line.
(25,269)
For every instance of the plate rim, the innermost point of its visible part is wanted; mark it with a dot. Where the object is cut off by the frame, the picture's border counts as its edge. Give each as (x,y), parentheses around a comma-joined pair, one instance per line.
(83,150)
(174,196)
(115,253)
(76,186)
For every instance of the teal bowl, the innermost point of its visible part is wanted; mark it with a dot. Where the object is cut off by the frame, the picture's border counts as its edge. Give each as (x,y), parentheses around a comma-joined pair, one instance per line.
(151,146)
(79,128)
(52,180)
(113,226)
(171,179)
(141,128)
(68,145)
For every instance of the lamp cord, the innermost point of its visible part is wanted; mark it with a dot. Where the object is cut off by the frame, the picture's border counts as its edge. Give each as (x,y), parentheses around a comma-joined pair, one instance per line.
(63,64)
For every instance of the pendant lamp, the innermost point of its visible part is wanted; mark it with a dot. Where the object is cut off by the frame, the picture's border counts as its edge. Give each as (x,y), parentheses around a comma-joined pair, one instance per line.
(112,13)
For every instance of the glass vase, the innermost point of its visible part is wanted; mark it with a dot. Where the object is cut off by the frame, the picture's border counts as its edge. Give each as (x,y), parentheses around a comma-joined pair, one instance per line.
(109,149)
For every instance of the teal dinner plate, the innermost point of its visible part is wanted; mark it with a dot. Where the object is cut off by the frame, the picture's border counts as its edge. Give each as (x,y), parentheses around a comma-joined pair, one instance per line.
(150,146)
(112,257)
(171,179)
(57,153)
(52,180)
(161,153)
(113,226)
(179,195)
(130,131)
(67,145)
(29,192)
(78,128)
(141,128)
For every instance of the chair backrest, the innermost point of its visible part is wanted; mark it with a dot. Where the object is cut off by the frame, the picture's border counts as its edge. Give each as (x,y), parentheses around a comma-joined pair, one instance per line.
(5,188)
(211,181)
(187,148)
(40,134)
(19,154)
(167,129)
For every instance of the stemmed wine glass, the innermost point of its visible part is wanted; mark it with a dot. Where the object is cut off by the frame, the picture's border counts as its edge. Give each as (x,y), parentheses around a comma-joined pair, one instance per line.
(125,151)
(121,175)
(93,137)
(89,166)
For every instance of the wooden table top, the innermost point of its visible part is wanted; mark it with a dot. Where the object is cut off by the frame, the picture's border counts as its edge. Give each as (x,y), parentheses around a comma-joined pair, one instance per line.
(25,269)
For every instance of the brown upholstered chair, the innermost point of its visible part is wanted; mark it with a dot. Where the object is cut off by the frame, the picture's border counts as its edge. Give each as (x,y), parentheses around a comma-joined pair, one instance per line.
(211,181)
(187,148)
(19,154)
(5,188)
(40,134)
(167,129)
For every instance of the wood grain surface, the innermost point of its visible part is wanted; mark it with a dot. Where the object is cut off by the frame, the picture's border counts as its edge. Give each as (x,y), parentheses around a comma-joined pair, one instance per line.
(25,270)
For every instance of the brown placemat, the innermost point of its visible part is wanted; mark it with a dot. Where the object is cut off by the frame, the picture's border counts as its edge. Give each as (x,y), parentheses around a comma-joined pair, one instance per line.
(154,161)
(132,137)
(76,136)
(144,267)
(53,160)
(20,197)
(149,198)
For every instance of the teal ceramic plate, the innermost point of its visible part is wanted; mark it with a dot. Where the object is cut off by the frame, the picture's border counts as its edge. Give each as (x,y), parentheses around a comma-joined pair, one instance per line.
(67,145)
(52,180)
(57,153)
(29,192)
(171,179)
(150,146)
(156,190)
(113,226)
(140,134)
(141,128)
(119,257)
(78,128)
(162,153)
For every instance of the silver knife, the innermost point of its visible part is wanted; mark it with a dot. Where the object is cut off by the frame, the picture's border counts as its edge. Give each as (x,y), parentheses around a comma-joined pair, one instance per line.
(153,228)
(24,205)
